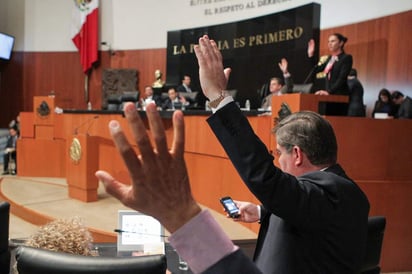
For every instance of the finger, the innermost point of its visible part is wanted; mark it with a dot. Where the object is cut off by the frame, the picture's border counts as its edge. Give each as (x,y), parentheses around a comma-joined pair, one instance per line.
(139,132)
(126,151)
(112,186)
(157,130)
(178,135)
(215,50)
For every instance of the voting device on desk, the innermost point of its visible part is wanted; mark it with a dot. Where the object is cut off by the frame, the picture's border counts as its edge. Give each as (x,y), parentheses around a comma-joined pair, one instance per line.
(139,234)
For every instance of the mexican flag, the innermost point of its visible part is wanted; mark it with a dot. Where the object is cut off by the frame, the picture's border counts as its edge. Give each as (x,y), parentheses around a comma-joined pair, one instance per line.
(85,31)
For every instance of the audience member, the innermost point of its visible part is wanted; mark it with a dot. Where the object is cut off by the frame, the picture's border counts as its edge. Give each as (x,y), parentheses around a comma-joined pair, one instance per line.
(16,124)
(276,86)
(404,103)
(356,105)
(322,213)
(10,151)
(336,69)
(150,97)
(185,86)
(158,83)
(384,104)
(63,235)
(174,101)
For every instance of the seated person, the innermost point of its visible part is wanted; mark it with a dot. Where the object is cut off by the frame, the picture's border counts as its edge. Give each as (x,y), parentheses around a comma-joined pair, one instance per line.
(63,235)
(174,101)
(150,97)
(185,86)
(404,103)
(384,104)
(10,151)
(277,87)
(16,124)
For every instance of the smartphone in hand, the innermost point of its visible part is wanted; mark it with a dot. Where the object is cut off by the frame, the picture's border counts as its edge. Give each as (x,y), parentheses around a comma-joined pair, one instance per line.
(230,207)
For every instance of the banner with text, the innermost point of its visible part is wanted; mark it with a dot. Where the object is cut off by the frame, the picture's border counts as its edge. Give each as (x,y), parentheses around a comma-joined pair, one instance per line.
(252,48)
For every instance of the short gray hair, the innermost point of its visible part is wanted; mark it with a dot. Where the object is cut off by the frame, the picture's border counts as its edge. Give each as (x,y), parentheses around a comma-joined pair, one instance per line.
(312,133)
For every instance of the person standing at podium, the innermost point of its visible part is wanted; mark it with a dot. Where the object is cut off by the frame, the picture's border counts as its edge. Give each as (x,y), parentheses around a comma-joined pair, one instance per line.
(336,69)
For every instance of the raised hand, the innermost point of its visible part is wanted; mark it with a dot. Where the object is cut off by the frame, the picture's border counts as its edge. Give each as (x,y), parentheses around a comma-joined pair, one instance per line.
(283,65)
(160,184)
(213,78)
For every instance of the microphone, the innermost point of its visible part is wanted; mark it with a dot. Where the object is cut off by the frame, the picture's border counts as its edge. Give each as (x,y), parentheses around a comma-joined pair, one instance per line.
(322,60)
(117,230)
(76,129)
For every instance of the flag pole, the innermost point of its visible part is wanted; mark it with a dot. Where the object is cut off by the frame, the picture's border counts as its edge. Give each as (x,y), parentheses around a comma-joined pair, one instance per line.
(86,87)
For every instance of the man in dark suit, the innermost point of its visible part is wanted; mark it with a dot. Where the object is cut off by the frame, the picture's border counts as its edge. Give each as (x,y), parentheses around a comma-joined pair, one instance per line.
(185,86)
(313,216)
(404,103)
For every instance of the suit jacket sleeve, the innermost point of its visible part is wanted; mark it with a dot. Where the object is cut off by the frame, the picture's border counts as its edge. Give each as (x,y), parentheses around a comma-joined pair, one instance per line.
(288,86)
(236,262)
(280,193)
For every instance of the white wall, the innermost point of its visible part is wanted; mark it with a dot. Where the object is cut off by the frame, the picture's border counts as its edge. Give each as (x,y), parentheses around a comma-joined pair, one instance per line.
(44,25)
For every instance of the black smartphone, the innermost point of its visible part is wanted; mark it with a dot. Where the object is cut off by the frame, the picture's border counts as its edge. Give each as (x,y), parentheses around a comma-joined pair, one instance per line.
(230,207)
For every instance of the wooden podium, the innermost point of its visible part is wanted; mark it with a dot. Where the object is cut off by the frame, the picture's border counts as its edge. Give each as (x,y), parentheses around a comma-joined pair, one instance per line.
(43,107)
(81,164)
(298,102)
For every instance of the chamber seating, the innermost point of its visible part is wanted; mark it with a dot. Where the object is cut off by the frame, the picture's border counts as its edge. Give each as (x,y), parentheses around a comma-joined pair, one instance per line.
(114,102)
(39,261)
(4,237)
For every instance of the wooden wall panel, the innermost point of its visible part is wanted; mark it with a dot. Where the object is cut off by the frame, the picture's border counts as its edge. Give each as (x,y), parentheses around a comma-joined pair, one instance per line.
(381,53)
(380,49)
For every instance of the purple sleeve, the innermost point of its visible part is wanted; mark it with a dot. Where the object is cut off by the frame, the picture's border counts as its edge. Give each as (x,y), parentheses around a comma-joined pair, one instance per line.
(201,242)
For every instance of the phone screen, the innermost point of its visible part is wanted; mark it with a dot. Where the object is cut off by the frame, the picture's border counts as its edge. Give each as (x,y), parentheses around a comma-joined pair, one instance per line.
(230,207)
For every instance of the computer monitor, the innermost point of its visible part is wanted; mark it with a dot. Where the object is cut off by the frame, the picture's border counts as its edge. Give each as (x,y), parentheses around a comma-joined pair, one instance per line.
(140,233)
(6,46)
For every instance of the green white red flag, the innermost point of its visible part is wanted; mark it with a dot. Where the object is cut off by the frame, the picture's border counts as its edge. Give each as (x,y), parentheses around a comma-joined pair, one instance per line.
(85,31)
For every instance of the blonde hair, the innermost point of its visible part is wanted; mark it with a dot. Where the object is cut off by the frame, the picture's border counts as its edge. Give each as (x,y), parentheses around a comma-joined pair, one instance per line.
(63,235)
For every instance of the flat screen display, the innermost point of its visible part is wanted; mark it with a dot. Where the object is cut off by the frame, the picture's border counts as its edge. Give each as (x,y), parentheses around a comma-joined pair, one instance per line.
(6,46)
(138,232)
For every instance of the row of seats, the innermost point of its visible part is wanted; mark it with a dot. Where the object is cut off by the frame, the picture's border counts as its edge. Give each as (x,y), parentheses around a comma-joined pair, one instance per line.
(116,101)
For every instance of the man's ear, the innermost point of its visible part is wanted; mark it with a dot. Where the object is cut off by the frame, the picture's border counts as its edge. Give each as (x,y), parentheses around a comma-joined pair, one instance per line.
(297,155)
